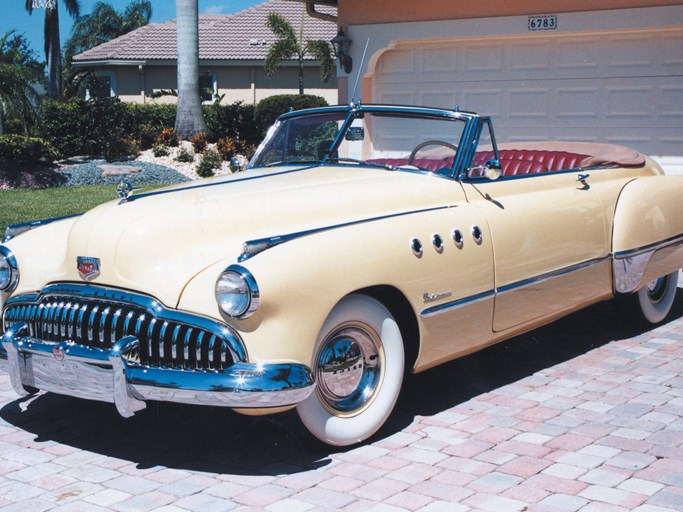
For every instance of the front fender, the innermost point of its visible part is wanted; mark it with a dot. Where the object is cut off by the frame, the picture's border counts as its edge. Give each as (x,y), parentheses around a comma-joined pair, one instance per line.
(647,240)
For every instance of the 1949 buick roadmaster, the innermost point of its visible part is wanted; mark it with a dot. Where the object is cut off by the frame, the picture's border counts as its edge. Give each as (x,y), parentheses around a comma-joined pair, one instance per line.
(362,242)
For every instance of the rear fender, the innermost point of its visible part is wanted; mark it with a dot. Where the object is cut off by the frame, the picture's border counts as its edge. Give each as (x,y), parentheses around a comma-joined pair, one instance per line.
(647,238)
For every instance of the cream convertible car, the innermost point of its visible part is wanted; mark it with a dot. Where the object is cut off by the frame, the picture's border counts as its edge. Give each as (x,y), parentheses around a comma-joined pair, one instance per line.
(363,241)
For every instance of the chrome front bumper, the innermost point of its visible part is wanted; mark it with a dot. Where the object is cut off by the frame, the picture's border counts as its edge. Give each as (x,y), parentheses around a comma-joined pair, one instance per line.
(107,375)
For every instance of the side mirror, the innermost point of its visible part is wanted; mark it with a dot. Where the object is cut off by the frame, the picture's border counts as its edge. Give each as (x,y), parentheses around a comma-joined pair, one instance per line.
(493,170)
(355,133)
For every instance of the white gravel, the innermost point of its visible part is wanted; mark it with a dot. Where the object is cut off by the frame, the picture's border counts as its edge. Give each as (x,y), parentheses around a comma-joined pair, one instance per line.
(187,169)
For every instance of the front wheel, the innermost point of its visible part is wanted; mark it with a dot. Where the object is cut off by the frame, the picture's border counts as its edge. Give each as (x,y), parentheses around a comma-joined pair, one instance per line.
(652,303)
(358,365)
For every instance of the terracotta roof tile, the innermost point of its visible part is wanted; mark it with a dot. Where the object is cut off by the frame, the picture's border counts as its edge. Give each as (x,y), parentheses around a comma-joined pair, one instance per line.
(239,36)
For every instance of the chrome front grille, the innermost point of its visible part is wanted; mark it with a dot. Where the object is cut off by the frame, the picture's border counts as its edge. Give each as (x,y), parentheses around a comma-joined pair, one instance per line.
(98,317)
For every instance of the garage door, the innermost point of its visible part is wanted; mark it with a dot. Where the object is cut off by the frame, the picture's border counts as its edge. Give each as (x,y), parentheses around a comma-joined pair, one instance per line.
(624,88)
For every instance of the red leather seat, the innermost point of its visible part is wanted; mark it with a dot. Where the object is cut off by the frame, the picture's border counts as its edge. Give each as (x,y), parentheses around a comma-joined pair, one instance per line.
(523,161)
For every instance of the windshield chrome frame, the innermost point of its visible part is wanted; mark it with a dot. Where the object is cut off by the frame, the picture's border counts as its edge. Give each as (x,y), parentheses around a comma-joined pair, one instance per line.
(466,143)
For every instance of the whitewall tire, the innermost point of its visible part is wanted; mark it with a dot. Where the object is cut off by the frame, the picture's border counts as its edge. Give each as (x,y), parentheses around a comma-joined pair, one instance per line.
(358,364)
(653,302)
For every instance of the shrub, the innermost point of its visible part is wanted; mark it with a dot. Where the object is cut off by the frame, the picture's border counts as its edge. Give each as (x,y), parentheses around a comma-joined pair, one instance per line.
(20,148)
(160,150)
(210,161)
(168,137)
(235,120)
(148,116)
(268,109)
(80,127)
(184,155)
(227,147)
(199,142)
(14,126)
(105,124)
(62,124)
(148,137)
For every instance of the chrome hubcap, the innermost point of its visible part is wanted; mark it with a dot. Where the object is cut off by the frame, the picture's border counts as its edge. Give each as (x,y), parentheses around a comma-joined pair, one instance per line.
(349,368)
(656,289)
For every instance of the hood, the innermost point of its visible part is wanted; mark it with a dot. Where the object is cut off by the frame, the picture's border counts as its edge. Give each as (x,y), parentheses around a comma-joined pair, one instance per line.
(156,243)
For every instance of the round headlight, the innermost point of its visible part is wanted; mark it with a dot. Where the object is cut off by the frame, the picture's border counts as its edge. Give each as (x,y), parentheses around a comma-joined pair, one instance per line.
(9,271)
(236,292)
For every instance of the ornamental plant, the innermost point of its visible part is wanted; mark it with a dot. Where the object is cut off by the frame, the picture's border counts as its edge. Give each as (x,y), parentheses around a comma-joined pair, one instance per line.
(199,142)
(210,161)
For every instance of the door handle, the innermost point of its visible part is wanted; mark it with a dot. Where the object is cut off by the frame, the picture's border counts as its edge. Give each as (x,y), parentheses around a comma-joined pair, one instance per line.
(582,179)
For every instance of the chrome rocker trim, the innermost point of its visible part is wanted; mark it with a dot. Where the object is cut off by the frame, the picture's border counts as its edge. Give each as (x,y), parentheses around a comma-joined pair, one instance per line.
(108,376)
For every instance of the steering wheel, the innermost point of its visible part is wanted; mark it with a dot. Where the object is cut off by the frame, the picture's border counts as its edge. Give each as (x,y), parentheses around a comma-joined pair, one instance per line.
(426,143)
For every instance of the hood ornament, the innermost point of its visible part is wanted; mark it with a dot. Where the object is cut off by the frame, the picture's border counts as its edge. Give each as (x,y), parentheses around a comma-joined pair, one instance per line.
(88,268)
(123,190)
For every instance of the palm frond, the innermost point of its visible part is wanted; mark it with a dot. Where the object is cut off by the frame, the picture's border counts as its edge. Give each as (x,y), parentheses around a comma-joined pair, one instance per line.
(281,27)
(321,51)
(73,7)
(279,51)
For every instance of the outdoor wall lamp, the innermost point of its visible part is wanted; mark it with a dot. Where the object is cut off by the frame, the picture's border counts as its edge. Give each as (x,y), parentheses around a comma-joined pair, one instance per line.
(340,45)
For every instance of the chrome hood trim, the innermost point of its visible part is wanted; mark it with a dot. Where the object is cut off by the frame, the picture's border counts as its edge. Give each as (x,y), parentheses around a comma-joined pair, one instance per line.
(253,247)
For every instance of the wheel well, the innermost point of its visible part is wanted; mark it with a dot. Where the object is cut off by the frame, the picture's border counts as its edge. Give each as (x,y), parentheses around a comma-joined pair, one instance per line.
(403,313)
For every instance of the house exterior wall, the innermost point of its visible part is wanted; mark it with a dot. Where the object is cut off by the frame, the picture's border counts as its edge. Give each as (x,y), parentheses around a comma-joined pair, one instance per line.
(246,83)
(443,52)
(362,12)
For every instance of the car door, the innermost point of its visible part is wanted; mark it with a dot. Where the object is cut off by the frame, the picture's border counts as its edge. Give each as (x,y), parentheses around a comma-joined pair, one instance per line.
(550,246)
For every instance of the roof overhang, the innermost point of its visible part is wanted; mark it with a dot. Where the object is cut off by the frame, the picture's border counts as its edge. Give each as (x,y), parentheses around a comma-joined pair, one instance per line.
(313,13)
(172,62)
(332,3)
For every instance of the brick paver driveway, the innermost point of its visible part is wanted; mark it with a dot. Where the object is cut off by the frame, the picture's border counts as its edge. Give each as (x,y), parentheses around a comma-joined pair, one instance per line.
(585,414)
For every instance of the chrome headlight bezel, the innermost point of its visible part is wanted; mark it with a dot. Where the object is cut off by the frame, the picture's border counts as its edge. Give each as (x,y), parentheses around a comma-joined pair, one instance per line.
(245,292)
(7,259)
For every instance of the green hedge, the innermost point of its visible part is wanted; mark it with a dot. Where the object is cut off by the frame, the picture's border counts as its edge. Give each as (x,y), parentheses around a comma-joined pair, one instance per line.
(19,148)
(106,126)
(268,109)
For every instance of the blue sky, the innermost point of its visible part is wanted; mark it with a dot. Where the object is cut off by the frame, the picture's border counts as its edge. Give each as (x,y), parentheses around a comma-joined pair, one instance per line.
(31,26)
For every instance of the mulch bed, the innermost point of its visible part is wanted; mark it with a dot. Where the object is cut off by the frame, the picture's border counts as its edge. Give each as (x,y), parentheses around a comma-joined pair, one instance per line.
(19,175)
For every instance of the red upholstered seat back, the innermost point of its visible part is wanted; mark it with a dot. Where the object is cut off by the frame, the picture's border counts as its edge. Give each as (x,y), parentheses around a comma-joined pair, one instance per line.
(524,161)
(514,162)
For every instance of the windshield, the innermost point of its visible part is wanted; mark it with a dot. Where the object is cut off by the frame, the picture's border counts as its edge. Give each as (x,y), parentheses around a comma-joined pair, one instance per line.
(393,140)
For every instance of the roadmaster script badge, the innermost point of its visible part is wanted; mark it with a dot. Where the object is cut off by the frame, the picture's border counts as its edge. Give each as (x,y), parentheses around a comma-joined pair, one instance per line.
(88,268)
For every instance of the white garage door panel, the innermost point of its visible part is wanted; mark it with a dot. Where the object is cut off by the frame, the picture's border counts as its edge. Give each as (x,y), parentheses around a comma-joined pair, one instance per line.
(622,88)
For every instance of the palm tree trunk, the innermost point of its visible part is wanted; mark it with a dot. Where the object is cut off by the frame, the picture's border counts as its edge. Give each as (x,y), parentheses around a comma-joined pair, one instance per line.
(53,53)
(189,116)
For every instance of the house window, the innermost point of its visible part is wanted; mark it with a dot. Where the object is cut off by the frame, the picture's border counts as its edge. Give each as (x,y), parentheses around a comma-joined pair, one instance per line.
(208,87)
(101,85)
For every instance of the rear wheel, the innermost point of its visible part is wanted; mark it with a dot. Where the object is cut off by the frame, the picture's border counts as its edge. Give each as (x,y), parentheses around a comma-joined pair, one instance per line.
(358,365)
(653,302)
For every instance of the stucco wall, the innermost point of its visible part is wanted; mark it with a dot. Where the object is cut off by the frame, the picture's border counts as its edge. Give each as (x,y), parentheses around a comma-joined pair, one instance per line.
(361,12)
(238,83)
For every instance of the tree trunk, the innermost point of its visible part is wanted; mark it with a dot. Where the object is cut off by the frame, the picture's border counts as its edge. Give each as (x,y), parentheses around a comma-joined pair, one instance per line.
(53,53)
(189,116)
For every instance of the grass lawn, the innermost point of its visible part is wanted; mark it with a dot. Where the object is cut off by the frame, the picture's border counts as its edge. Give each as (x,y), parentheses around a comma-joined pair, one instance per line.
(23,205)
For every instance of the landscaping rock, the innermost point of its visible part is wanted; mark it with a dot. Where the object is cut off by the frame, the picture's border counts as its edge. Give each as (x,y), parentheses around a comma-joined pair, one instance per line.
(118,170)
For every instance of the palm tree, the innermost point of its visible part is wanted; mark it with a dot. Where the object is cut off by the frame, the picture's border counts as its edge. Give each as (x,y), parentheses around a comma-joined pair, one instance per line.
(103,24)
(53,53)
(189,118)
(19,73)
(289,45)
